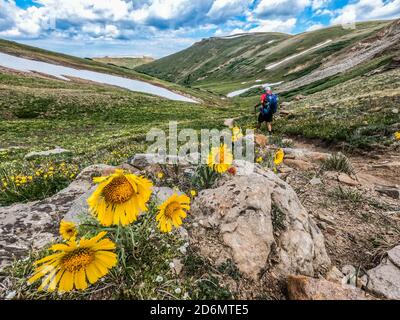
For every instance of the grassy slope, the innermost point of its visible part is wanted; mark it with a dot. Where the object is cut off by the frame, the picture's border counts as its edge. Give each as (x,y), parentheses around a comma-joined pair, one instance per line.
(129,63)
(357,112)
(98,123)
(29,52)
(40,113)
(244,59)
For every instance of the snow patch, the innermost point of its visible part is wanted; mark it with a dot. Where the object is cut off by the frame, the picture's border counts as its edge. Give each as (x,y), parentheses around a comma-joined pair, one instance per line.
(239,92)
(274,65)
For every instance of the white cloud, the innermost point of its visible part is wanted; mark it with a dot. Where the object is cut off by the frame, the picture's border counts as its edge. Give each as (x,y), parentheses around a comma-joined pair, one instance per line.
(190,20)
(8,13)
(280,8)
(275,26)
(319,4)
(367,10)
(222,10)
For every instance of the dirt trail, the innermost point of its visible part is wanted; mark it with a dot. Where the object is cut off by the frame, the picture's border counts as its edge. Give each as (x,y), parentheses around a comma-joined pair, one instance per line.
(381,168)
(359,223)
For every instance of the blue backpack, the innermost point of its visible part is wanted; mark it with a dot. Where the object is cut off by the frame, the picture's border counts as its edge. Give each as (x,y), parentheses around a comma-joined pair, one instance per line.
(271,104)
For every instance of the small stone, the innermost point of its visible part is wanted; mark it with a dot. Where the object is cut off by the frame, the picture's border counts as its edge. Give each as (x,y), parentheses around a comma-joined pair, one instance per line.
(331,175)
(11,295)
(326,219)
(285,169)
(230,123)
(316,181)
(395,111)
(183,250)
(349,270)
(299,164)
(346,179)
(334,275)
(306,288)
(261,140)
(389,191)
(178,266)
(299,97)
(331,231)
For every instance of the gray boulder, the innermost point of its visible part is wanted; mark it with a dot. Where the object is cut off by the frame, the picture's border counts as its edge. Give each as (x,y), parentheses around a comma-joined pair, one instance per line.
(385,278)
(258,222)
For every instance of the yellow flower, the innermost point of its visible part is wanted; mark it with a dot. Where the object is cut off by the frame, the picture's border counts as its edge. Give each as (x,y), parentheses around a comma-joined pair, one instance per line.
(160,175)
(236,134)
(259,160)
(120,198)
(172,211)
(279,156)
(236,131)
(68,230)
(220,159)
(74,264)
(193,193)
(5,184)
(397,135)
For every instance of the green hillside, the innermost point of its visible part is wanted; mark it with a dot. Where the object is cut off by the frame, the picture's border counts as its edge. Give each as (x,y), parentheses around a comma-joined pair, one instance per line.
(224,64)
(125,62)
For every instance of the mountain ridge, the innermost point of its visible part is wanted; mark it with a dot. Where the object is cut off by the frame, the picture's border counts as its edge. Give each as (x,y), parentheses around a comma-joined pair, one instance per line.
(224,64)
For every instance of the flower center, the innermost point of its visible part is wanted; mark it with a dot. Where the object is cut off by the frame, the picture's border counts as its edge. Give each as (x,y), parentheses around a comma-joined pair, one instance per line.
(220,157)
(118,191)
(77,259)
(171,208)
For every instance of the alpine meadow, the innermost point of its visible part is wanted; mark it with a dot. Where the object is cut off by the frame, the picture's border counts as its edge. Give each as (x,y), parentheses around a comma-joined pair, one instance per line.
(162,175)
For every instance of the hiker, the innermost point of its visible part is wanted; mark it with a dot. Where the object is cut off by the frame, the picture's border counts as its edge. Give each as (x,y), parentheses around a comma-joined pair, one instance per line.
(269,106)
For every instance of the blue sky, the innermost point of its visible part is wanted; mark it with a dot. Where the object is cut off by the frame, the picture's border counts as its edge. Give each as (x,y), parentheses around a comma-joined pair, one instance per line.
(90,28)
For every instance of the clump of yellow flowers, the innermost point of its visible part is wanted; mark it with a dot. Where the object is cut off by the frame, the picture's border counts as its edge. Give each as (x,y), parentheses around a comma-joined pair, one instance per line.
(34,182)
(119,199)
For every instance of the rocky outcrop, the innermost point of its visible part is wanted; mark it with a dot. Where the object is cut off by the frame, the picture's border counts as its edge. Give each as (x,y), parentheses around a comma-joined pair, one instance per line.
(384,280)
(32,225)
(258,222)
(306,288)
